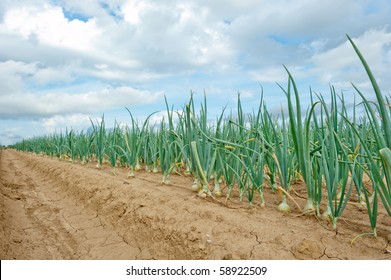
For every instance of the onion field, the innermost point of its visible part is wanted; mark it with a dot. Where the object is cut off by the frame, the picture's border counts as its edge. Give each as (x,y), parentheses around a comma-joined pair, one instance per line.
(330,147)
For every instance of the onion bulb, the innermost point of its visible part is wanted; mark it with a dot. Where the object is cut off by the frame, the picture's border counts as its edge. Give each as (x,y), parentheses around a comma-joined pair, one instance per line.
(196,186)
(284,206)
(217,191)
(202,194)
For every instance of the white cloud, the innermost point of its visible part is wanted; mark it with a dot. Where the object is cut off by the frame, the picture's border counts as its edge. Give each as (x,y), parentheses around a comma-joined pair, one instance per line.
(171,38)
(270,75)
(158,117)
(9,135)
(12,75)
(50,27)
(341,64)
(48,104)
(132,10)
(59,122)
(65,73)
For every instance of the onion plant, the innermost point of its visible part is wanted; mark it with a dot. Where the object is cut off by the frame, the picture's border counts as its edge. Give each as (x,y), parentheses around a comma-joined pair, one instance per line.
(100,137)
(356,151)
(166,155)
(300,132)
(70,146)
(113,137)
(133,139)
(84,144)
(154,149)
(218,170)
(147,151)
(205,160)
(227,161)
(284,158)
(203,150)
(267,131)
(382,136)
(59,142)
(334,163)
(253,164)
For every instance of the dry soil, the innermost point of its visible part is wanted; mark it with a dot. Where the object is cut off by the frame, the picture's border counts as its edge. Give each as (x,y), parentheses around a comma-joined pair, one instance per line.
(51,209)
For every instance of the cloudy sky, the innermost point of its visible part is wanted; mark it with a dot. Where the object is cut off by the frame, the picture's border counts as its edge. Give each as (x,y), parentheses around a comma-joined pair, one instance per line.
(65,61)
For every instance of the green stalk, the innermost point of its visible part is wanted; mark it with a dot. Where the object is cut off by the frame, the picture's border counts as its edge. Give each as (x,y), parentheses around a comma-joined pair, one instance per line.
(254,164)
(165,153)
(382,135)
(228,163)
(384,112)
(200,170)
(284,159)
(100,137)
(134,139)
(385,155)
(84,145)
(112,146)
(301,138)
(335,161)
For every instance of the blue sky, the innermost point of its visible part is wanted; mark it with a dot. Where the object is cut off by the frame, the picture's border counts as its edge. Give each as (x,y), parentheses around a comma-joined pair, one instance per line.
(65,61)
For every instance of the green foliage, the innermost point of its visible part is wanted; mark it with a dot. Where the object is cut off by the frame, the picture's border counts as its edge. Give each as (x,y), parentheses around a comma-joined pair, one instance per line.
(324,145)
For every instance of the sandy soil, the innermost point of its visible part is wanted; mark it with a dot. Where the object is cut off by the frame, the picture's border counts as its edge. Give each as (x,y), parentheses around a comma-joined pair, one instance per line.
(51,209)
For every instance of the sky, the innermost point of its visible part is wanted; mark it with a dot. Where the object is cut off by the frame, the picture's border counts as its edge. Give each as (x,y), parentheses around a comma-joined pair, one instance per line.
(66,62)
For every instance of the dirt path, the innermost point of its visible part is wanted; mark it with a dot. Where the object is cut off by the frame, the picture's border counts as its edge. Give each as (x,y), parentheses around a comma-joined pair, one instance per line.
(41,221)
(51,209)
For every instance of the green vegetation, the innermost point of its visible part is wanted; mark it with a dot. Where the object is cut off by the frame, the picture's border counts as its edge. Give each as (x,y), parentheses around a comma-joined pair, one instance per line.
(329,148)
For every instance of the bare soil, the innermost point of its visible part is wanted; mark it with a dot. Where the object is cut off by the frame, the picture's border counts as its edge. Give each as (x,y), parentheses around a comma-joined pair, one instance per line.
(51,209)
